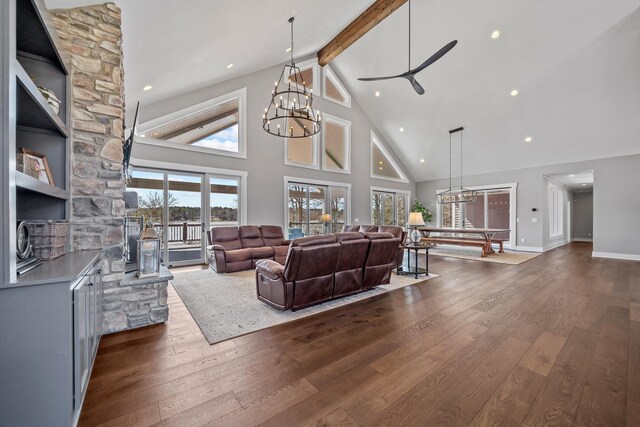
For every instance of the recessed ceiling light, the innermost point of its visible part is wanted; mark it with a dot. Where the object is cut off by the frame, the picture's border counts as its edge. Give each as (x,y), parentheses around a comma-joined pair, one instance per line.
(571,176)
(528,139)
(401,129)
(421,160)
(288,50)
(514,92)
(380,162)
(584,185)
(377,93)
(380,168)
(147,87)
(230,65)
(495,34)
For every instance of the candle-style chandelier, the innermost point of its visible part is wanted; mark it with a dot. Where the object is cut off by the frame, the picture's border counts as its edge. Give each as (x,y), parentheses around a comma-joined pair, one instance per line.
(290,112)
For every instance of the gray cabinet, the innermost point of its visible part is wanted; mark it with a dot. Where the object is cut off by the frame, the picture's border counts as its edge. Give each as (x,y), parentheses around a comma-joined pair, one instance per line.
(48,340)
(87,311)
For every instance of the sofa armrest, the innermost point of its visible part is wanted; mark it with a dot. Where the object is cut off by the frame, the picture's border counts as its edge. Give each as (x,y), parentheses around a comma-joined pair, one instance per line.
(217,258)
(269,268)
(286,242)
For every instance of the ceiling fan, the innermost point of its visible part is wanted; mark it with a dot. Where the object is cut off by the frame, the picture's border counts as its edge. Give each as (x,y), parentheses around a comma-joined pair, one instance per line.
(410,74)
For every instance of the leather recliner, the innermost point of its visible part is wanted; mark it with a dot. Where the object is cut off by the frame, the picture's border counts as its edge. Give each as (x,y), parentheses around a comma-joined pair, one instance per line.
(351,263)
(239,248)
(398,232)
(321,268)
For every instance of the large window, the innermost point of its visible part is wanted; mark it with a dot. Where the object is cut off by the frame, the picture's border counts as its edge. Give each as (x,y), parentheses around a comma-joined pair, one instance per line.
(333,89)
(491,209)
(556,211)
(307,201)
(389,207)
(382,164)
(301,151)
(223,201)
(336,138)
(215,126)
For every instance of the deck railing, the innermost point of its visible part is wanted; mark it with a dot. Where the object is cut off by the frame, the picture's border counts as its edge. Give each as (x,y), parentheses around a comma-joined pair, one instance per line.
(187,232)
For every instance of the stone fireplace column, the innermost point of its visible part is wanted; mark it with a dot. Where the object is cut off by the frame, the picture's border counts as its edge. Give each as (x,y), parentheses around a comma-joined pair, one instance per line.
(92,36)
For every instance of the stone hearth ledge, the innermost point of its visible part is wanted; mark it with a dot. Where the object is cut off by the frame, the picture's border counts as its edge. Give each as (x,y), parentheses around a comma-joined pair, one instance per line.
(136,302)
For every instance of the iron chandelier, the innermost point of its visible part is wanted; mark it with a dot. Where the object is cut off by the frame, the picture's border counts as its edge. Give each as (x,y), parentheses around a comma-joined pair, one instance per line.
(461,194)
(290,112)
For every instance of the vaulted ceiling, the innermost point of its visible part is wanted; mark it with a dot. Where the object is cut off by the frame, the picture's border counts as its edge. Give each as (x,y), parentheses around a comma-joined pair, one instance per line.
(575,64)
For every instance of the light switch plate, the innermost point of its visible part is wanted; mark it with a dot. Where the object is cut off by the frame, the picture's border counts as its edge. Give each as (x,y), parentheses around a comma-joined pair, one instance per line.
(356,219)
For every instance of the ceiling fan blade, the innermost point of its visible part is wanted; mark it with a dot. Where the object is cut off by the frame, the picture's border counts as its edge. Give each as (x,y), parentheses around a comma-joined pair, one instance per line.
(372,79)
(416,86)
(439,54)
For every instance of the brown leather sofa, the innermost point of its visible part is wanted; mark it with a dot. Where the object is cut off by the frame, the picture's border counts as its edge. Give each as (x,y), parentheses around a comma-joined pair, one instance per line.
(321,268)
(239,248)
(397,232)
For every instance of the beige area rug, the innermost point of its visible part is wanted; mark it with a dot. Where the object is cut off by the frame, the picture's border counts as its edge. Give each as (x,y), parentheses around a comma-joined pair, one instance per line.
(225,306)
(508,257)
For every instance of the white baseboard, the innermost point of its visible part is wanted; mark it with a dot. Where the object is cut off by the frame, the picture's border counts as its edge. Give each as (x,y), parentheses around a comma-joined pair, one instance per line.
(554,245)
(528,248)
(582,239)
(629,257)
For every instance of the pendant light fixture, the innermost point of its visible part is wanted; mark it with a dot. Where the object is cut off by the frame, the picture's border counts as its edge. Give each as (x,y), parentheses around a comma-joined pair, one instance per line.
(461,194)
(290,113)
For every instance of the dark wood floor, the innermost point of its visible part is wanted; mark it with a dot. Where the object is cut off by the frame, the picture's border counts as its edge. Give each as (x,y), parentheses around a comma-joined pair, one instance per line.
(553,341)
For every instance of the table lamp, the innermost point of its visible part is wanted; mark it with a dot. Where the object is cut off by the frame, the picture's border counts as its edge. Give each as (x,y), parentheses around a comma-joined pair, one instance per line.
(415,220)
(326,218)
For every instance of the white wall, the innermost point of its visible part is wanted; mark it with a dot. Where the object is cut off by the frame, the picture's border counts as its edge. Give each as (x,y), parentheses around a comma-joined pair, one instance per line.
(616,201)
(265,153)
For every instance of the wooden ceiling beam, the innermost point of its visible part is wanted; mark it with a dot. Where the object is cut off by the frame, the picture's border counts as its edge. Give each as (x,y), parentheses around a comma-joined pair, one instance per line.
(371,17)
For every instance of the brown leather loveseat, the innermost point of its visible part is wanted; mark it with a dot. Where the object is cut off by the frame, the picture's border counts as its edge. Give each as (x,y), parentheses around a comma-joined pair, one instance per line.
(321,268)
(239,248)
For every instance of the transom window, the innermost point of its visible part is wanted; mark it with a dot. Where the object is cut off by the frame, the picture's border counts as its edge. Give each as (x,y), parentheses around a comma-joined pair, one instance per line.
(336,144)
(333,89)
(382,164)
(215,126)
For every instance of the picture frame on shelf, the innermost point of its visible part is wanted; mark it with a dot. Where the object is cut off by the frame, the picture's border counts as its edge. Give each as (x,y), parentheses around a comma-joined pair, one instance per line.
(36,165)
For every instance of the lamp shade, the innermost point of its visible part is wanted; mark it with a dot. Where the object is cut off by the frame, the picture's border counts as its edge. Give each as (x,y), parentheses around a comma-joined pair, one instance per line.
(325,217)
(415,219)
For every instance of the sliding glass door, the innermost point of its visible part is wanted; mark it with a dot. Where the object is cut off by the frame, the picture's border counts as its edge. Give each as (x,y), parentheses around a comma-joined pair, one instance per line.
(223,201)
(389,208)
(307,202)
(491,209)
(184,237)
(174,202)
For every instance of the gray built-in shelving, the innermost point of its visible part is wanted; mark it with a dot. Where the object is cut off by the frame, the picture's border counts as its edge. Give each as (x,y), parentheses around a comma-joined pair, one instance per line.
(30,49)
(50,318)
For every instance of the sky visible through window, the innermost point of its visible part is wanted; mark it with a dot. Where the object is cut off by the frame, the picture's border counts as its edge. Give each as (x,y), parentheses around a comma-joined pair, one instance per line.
(225,140)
